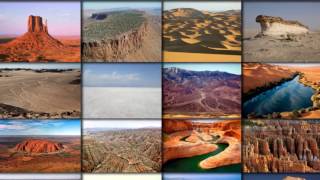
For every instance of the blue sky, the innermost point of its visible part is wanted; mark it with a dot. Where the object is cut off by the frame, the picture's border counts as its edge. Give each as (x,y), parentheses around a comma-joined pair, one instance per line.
(63,17)
(205,6)
(202,176)
(121,124)
(40,127)
(41,65)
(307,13)
(114,5)
(122,75)
(234,68)
(280,176)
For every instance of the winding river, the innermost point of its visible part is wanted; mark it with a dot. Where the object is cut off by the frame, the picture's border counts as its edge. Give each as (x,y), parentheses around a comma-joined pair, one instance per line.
(289,96)
(192,164)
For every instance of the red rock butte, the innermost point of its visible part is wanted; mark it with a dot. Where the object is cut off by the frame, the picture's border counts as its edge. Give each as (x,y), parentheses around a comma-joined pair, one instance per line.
(38,146)
(38,45)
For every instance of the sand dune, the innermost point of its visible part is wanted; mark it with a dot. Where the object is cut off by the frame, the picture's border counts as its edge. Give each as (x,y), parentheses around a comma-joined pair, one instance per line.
(207,35)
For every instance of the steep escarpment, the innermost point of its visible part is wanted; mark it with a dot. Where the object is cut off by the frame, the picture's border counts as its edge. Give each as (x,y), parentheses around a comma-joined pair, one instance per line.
(118,36)
(282,146)
(36,146)
(117,48)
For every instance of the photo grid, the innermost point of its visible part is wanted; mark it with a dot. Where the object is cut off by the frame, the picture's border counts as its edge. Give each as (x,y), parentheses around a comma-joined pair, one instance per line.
(159,90)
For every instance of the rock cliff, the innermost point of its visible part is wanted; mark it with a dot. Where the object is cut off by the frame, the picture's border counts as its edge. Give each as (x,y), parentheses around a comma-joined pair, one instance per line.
(117,48)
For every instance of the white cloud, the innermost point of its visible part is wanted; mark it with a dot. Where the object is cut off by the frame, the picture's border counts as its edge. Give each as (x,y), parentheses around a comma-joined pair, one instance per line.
(12,126)
(113,77)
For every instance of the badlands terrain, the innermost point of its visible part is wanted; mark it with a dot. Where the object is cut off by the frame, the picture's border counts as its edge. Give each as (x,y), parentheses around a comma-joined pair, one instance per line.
(285,176)
(186,139)
(122,150)
(296,85)
(39,154)
(281,146)
(297,42)
(189,93)
(122,35)
(46,93)
(37,45)
(192,35)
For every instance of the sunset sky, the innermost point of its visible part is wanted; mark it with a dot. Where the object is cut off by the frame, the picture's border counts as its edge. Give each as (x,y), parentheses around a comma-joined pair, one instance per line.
(63,17)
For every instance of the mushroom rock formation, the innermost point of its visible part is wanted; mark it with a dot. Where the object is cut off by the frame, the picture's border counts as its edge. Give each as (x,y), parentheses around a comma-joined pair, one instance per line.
(38,146)
(276,26)
(293,178)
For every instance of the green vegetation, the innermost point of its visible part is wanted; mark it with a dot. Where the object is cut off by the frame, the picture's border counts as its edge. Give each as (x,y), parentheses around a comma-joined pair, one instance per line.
(65,155)
(114,24)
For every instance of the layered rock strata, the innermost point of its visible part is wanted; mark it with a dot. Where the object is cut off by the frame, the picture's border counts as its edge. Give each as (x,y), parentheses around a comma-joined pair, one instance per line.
(276,26)
(282,146)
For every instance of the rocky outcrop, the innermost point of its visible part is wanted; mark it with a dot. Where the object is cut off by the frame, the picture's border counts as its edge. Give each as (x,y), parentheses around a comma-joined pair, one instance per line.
(276,26)
(282,146)
(37,146)
(176,125)
(117,48)
(35,24)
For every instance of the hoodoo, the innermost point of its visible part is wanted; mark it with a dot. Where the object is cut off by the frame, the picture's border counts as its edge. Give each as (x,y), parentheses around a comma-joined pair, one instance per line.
(38,146)
(276,26)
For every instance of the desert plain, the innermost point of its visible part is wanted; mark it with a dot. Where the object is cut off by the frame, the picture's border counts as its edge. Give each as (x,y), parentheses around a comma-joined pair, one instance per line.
(39,93)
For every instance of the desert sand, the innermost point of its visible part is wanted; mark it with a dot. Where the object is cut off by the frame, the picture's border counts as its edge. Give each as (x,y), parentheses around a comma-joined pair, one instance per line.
(257,75)
(199,36)
(29,94)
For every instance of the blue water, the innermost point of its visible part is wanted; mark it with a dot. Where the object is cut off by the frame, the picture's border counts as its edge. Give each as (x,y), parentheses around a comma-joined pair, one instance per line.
(288,96)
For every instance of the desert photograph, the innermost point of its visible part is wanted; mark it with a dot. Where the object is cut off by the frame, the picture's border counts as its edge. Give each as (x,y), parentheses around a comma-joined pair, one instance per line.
(281,31)
(40,31)
(174,176)
(129,146)
(281,91)
(201,90)
(202,31)
(40,91)
(122,90)
(31,176)
(281,146)
(121,31)
(281,176)
(122,176)
(201,145)
(40,146)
